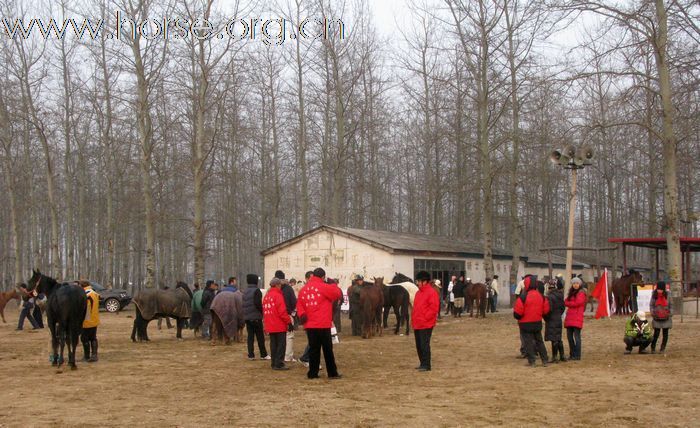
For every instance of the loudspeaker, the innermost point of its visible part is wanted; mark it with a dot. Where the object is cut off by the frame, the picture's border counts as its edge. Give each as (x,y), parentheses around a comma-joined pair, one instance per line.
(570,151)
(587,154)
(555,156)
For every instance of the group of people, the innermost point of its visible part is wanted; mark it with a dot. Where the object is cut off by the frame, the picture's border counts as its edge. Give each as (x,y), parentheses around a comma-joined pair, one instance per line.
(637,329)
(279,313)
(455,295)
(532,307)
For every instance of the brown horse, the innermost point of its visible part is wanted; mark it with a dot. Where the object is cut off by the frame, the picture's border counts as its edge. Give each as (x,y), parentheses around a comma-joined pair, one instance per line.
(590,300)
(5,297)
(371,305)
(476,294)
(621,290)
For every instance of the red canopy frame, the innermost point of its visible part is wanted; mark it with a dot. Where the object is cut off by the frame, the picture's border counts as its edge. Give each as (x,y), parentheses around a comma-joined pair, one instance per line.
(688,245)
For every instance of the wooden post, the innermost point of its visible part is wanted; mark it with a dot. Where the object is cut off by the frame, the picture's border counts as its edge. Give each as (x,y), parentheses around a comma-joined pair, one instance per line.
(549,263)
(597,262)
(656,264)
(624,259)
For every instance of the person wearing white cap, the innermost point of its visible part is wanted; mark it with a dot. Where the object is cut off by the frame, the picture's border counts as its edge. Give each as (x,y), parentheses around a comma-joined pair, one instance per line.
(637,333)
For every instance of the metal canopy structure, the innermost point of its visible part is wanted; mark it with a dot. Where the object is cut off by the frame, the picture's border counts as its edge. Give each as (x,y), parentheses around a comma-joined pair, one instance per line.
(688,245)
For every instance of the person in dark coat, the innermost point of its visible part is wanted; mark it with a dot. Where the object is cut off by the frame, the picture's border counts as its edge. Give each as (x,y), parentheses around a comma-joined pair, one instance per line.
(553,323)
(27,308)
(458,291)
(207,298)
(253,316)
(529,309)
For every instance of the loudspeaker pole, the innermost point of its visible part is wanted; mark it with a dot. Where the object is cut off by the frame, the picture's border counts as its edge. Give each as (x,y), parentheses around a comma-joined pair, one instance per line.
(570,237)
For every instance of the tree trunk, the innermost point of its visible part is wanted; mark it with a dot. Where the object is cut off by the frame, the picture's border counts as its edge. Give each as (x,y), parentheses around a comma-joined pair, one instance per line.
(671,219)
(145,131)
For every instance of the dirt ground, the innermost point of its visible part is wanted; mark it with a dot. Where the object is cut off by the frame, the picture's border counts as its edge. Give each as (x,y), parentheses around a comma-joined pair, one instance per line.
(476,381)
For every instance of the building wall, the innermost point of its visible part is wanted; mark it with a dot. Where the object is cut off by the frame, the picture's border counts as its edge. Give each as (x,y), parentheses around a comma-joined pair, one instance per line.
(339,256)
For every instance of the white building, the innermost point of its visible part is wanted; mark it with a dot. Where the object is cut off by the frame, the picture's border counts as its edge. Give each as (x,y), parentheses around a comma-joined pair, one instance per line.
(344,252)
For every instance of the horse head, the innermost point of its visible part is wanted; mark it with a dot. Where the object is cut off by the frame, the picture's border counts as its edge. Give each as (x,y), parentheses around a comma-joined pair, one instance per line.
(636,276)
(41,283)
(34,280)
(379,281)
(399,278)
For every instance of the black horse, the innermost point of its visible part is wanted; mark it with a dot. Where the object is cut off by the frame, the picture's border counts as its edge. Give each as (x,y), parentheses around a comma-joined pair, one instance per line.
(152,303)
(65,311)
(398,299)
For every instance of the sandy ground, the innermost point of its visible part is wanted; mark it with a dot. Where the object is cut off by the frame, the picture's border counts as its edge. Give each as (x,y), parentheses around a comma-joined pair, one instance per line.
(476,381)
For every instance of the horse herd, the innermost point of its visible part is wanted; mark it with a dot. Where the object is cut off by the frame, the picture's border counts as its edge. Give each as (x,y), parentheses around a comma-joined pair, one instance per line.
(371,303)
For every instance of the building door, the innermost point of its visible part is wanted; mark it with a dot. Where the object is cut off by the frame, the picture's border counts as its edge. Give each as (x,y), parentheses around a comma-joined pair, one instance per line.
(440,269)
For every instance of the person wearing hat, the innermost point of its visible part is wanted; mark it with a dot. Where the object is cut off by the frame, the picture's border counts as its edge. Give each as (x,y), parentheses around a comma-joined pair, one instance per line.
(315,311)
(451,295)
(253,316)
(276,320)
(354,310)
(426,306)
(553,324)
(575,304)
(637,332)
(290,302)
(437,283)
(660,307)
(529,309)
(92,320)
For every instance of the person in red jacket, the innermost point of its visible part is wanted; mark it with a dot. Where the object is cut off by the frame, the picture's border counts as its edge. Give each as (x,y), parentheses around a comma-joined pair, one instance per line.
(315,312)
(276,319)
(575,305)
(426,307)
(529,309)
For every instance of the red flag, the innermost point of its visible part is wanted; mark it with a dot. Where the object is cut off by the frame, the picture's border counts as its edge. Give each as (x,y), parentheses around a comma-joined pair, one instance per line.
(600,292)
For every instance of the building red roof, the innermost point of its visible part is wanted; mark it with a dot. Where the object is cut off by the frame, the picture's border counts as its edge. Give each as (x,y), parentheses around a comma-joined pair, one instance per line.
(689,244)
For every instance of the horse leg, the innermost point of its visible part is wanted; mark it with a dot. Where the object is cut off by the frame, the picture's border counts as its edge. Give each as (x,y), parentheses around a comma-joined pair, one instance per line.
(385,322)
(61,343)
(54,343)
(406,315)
(378,321)
(73,345)
(397,313)
(2,312)
(179,322)
(144,329)
(133,330)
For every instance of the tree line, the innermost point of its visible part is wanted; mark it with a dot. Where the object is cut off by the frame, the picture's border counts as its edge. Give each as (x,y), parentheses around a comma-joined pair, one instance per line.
(148,161)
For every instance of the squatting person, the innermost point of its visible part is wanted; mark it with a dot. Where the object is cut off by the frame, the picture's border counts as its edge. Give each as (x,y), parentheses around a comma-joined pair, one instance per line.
(637,333)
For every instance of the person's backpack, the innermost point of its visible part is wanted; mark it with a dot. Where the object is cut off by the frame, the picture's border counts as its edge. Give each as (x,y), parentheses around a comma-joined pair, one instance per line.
(661,313)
